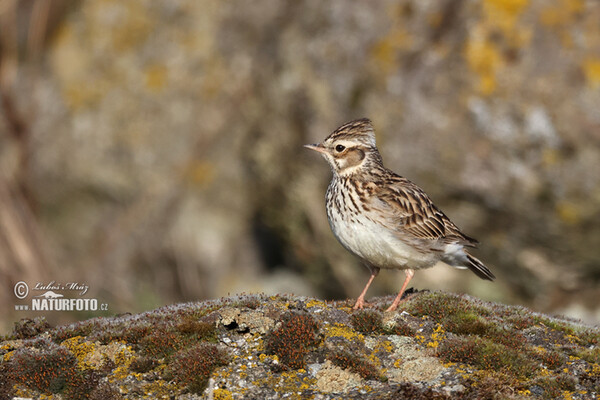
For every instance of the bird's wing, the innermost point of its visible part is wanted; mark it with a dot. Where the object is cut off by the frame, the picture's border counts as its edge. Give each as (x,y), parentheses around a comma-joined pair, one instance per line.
(408,207)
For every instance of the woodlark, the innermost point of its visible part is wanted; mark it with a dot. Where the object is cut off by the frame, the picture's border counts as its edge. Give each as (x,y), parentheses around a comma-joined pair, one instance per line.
(383,218)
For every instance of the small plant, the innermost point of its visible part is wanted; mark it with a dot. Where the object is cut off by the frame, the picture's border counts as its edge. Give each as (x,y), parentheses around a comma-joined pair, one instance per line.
(142,364)
(105,391)
(553,386)
(193,366)
(367,321)
(345,359)
(293,339)
(163,343)
(63,333)
(27,327)
(49,371)
(200,330)
(488,355)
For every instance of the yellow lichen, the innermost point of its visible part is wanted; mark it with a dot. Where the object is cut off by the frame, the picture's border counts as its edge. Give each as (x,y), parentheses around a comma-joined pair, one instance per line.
(81,349)
(159,389)
(561,14)
(343,331)
(591,69)
(385,51)
(8,355)
(315,303)
(437,336)
(156,77)
(222,394)
(483,55)
(123,359)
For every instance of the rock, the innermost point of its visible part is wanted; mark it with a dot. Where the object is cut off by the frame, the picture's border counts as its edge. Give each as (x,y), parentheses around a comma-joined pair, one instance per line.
(451,346)
(420,369)
(333,379)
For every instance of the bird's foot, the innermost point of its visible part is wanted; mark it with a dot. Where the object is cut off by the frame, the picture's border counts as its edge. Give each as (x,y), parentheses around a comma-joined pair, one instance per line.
(360,303)
(391,308)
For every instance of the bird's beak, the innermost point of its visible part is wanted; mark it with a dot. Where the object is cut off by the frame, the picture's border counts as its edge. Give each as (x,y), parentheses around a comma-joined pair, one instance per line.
(316,147)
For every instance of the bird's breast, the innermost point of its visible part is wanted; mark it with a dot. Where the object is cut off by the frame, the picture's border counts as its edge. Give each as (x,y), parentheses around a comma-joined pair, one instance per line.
(365,235)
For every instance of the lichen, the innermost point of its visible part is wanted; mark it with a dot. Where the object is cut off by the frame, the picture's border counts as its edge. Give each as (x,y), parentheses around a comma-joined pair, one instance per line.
(483,350)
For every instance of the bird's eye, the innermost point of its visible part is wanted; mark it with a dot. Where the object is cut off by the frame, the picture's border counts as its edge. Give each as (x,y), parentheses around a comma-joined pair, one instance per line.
(339,148)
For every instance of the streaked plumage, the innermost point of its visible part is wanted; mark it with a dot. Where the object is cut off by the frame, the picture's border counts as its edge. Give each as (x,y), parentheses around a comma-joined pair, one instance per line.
(383,218)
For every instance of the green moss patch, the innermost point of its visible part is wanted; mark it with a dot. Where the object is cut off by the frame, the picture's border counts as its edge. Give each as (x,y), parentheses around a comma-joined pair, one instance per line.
(488,355)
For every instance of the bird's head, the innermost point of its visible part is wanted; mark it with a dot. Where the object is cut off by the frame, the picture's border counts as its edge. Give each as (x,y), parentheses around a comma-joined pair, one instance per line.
(350,147)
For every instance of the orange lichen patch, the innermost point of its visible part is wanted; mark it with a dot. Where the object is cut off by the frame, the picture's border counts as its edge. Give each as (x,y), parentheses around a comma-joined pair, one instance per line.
(293,339)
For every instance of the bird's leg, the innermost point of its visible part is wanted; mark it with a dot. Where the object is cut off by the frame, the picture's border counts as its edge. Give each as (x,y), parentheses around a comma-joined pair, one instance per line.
(409,274)
(360,302)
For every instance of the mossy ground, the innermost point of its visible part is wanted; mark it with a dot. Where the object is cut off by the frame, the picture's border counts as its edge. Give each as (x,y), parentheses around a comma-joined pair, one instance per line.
(279,345)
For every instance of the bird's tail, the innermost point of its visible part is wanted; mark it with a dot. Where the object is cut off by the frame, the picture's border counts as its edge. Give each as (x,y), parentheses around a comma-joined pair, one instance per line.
(479,269)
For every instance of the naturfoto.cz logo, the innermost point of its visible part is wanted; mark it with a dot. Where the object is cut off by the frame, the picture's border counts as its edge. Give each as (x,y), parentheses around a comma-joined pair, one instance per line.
(50,299)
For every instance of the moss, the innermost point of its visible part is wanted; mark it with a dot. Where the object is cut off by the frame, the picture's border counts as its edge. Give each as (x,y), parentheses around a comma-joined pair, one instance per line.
(443,306)
(105,391)
(162,343)
(47,371)
(131,334)
(27,327)
(359,365)
(49,368)
(165,341)
(591,355)
(367,321)
(293,339)
(551,359)
(200,330)
(142,364)
(193,366)
(6,384)
(400,328)
(63,333)
(408,390)
(485,354)
(552,387)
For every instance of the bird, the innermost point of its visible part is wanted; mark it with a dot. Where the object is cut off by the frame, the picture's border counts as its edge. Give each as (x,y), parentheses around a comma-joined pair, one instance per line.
(384,219)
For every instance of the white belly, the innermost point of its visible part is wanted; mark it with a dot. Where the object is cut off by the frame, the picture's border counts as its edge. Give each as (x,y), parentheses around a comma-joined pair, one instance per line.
(377,245)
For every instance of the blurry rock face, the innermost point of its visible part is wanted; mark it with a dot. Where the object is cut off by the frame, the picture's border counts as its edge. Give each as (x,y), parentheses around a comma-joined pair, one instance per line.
(167,153)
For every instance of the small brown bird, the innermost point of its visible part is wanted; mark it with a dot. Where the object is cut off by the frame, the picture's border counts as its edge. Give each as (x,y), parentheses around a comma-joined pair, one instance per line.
(384,219)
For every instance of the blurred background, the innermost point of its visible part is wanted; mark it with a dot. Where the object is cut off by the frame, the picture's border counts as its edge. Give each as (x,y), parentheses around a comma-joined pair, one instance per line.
(153,149)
